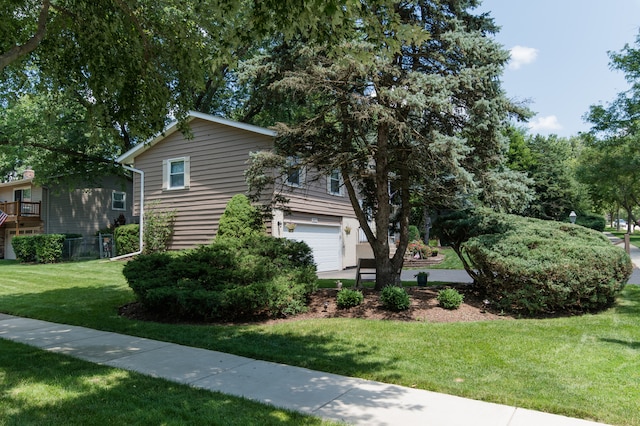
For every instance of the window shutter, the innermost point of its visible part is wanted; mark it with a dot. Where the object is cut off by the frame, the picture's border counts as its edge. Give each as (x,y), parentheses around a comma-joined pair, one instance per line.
(165,174)
(187,172)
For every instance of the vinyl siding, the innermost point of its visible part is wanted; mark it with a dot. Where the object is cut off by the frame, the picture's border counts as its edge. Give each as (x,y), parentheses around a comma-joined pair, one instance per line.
(85,211)
(218,156)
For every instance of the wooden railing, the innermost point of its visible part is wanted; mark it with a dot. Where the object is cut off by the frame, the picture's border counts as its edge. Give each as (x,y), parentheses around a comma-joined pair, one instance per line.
(21,209)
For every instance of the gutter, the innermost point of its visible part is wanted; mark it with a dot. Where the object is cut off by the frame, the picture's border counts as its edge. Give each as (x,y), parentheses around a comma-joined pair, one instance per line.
(141,241)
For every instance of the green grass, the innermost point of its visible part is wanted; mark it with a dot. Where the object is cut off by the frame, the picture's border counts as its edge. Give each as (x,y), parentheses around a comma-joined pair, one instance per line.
(586,366)
(41,388)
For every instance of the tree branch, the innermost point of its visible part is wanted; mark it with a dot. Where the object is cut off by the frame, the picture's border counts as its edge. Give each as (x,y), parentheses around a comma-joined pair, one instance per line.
(21,50)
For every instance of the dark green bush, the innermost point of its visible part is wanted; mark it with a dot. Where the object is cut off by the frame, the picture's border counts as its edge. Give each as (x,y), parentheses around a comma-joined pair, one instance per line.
(414,233)
(591,220)
(240,219)
(395,298)
(348,298)
(24,247)
(230,279)
(534,266)
(450,298)
(127,238)
(41,248)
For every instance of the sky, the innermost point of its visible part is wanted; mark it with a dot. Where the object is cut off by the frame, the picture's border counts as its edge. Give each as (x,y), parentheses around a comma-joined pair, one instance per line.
(559,56)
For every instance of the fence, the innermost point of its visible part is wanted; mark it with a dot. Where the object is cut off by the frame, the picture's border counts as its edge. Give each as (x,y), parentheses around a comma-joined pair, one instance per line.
(99,247)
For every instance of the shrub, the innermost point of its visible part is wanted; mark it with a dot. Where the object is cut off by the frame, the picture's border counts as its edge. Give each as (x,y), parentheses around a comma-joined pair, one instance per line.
(231,279)
(24,248)
(420,248)
(535,266)
(240,219)
(348,298)
(158,228)
(395,298)
(127,238)
(450,298)
(42,248)
(414,233)
(591,220)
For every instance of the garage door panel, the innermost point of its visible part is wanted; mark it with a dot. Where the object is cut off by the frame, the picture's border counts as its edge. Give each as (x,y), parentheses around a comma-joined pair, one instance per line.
(324,242)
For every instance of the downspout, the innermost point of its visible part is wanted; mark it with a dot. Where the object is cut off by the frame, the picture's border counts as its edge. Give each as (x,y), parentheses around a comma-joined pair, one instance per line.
(141,242)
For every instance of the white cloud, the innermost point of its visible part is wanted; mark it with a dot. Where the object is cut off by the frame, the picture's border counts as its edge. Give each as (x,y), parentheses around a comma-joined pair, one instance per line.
(549,123)
(521,55)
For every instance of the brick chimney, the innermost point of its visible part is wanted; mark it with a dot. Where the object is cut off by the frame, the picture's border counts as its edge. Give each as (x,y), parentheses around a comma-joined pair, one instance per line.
(28,174)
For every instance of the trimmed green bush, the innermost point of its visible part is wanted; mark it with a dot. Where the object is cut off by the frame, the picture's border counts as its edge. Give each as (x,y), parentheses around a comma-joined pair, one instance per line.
(127,238)
(395,298)
(348,298)
(240,219)
(535,266)
(450,298)
(24,247)
(255,277)
(41,248)
(414,233)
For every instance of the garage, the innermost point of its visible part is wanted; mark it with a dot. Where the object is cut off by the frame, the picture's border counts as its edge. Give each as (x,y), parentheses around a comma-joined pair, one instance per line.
(324,242)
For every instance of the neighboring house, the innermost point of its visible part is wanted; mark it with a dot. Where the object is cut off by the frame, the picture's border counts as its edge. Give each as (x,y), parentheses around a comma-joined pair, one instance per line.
(196,177)
(34,209)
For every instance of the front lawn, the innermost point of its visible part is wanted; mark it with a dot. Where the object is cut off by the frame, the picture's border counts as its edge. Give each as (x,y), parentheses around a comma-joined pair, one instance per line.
(41,388)
(586,366)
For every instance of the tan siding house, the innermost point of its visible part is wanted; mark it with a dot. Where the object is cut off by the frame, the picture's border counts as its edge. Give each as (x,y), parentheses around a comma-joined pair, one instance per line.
(197,176)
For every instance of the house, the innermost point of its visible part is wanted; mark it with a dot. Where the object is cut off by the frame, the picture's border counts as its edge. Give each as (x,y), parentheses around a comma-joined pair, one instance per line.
(33,209)
(197,176)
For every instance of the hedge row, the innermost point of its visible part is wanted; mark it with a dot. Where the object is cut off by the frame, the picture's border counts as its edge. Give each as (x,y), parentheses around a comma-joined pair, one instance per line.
(42,248)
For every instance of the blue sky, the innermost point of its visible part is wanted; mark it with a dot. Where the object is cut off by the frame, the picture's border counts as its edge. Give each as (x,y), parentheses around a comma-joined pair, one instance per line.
(559,57)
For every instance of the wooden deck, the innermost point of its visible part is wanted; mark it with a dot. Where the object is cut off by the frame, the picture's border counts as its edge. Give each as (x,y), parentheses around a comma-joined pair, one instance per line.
(21,210)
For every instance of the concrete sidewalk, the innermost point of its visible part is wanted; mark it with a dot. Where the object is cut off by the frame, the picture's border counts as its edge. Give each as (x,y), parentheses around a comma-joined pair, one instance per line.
(330,396)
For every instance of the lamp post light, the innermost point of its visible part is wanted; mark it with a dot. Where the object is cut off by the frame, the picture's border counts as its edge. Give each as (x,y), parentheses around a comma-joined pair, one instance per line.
(572,216)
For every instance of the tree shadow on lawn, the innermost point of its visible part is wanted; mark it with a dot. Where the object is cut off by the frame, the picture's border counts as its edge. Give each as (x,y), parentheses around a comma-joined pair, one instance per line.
(79,391)
(97,308)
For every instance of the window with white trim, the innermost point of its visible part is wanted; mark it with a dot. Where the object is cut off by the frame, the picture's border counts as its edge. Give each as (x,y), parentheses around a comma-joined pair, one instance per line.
(118,200)
(334,183)
(176,173)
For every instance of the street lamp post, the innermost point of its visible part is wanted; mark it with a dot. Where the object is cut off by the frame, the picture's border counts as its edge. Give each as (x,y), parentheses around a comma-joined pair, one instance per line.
(572,216)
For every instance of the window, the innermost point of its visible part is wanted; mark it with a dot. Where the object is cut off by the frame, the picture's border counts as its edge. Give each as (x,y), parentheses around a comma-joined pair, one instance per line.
(334,183)
(176,173)
(118,200)
(295,173)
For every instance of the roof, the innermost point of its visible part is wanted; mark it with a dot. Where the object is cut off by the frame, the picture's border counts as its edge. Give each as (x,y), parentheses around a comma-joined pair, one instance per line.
(16,182)
(129,156)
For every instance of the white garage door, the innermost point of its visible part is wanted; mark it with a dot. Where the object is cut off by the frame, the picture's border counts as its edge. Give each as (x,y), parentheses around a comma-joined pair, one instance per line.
(324,241)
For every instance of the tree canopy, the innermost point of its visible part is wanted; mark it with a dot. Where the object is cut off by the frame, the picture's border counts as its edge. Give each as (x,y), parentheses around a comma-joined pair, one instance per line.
(610,164)
(119,69)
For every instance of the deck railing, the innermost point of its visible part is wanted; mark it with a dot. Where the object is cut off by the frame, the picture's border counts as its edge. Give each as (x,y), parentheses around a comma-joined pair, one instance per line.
(21,209)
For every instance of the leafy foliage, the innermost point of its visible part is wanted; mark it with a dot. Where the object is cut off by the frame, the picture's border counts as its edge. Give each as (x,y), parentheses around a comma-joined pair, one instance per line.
(158,228)
(533,266)
(395,298)
(230,279)
(348,298)
(127,238)
(240,219)
(450,298)
(42,248)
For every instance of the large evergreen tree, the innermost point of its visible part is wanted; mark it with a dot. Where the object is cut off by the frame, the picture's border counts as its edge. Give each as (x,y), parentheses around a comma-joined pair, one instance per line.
(409,105)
